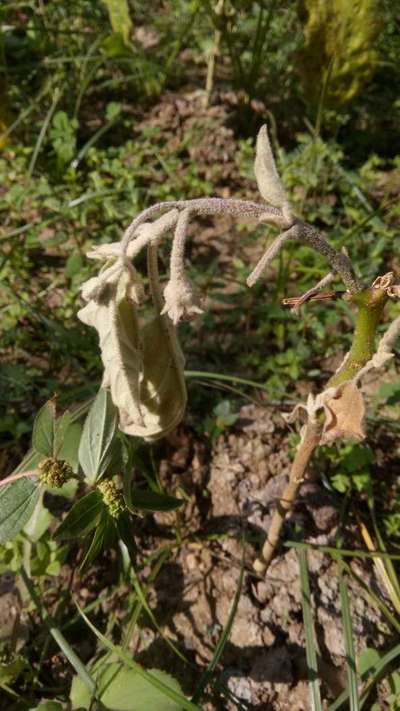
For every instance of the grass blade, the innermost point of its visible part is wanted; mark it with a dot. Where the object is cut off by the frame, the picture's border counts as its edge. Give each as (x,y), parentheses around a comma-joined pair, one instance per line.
(43,130)
(342,552)
(380,670)
(222,376)
(349,644)
(312,665)
(376,600)
(207,674)
(385,568)
(58,636)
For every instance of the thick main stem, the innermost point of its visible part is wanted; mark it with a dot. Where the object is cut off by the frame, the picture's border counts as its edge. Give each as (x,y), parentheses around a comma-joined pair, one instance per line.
(370,303)
(304,452)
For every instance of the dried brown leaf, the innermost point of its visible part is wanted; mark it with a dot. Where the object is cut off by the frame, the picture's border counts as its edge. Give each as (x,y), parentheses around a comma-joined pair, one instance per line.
(344,415)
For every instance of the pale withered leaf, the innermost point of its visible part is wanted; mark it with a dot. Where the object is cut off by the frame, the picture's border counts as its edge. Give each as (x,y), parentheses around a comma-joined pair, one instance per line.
(344,414)
(162,385)
(143,366)
(268,180)
(115,319)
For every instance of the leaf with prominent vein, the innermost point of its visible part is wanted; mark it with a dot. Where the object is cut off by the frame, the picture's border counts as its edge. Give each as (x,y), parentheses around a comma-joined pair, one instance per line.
(17,503)
(96,444)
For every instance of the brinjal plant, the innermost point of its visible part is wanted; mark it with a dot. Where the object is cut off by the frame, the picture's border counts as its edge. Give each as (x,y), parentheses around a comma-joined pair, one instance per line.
(143,392)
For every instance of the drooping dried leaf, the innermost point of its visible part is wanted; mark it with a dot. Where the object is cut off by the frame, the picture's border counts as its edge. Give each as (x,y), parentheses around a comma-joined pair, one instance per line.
(344,415)
(268,180)
(114,317)
(394,291)
(162,385)
(143,367)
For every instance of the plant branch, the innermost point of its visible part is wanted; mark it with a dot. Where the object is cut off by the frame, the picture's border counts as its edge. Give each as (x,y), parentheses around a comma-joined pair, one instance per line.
(202,206)
(303,232)
(15,477)
(304,452)
(313,294)
(299,230)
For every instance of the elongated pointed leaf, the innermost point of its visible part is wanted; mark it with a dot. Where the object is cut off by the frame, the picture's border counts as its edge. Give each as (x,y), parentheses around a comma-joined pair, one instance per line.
(154,501)
(44,430)
(125,532)
(102,538)
(83,516)
(311,650)
(95,447)
(267,176)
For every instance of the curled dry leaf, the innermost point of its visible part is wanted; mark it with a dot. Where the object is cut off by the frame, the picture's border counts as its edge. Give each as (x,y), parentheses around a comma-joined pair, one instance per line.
(344,414)
(143,366)
(180,299)
(384,281)
(394,291)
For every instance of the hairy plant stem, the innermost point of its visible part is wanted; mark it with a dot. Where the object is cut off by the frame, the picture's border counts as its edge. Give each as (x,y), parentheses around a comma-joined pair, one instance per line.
(308,444)
(19,475)
(370,303)
(296,230)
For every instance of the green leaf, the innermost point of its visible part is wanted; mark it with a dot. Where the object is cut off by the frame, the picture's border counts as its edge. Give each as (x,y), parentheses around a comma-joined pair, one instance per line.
(125,532)
(10,671)
(95,447)
(17,503)
(69,450)
(102,538)
(349,643)
(218,651)
(40,521)
(114,46)
(67,437)
(153,501)
(120,20)
(122,689)
(44,428)
(311,649)
(149,676)
(47,706)
(82,518)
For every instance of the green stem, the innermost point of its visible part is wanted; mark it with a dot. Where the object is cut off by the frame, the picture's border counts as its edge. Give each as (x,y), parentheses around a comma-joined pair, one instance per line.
(370,303)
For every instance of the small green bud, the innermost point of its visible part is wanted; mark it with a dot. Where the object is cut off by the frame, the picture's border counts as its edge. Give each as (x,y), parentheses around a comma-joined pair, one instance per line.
(53,472)
(112,497)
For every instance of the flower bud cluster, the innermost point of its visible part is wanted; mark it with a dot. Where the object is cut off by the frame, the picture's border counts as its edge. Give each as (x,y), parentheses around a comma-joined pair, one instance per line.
(54,472)
(112,498)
